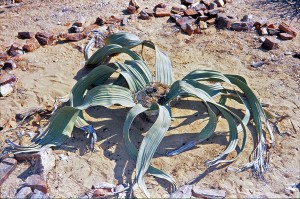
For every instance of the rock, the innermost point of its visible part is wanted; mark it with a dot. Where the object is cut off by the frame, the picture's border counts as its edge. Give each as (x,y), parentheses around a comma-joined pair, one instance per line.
(80,22)
(134,3)
(15,49)
(99,21)
(133,7)
(7,78)
(220,3)
(178,9)
(286,36)
(160,5)
(174,17)
(185,20)
(187,28)
(24,192)
(213,13)
(74,29)
(143,15)
(131,10)
(202,25)
(272,31)
(4,56)
(162,12)
(9,65)
(74,36)
(44,161)
(213,6)
(124,21)
(31,45)
(208,193)
(37,182)
(247,18)
(200,6)
(44,38)
(206,2)
(203,18)
(150,12)
(187,2)
(25,35)
(182,192)
(6,90)
(257,64)
(7,166)
(190,12)
(288,29)
(297,54)
(223,22)
(263,31)
(241,26)
(114,19)
(269,44)
(211,21)
(39,195)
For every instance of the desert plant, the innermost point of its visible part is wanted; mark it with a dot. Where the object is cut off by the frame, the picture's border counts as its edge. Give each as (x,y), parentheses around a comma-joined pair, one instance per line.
(136,87)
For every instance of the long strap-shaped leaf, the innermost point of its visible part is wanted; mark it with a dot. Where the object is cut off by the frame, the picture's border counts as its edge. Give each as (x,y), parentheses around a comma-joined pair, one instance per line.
(163,63)
(101,72)
(101,55)
(58,131)
(209,75)
(176,89)
(132,150)
(107,95)
(150,143)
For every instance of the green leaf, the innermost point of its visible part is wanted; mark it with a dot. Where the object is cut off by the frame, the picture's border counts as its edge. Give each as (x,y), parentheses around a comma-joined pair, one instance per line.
(125,39)
(101,72)
(104,53)
(150,143)
(57,132)
(107,95)
(206,75)
(132,150)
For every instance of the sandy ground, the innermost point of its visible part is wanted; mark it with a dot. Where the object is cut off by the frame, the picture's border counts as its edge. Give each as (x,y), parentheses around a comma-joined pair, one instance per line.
(52,70)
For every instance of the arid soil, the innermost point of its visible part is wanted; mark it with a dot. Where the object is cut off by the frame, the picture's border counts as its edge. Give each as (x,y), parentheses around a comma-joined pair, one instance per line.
(52,70)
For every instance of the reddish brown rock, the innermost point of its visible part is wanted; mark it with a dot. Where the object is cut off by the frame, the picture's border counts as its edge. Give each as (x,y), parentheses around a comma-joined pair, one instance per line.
(37,182)
(150,12)
(208,193)
(160,5)
(185,20)
(203,18)
(7,78)
(213,13)
(187,2)
(286,36)
(288,29)
(190,12)
(178,9)
(223,22)
(162,12)
(241,26)
(143,15)
(74,36)
(134,3)
(131,10)
(88,29)
(188,28)
(31,45)
(269,44)
(44,38)
(80,22)
(99,21)
(15,49)
(7,166)
(272,31)
(211,21)
(25,35)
